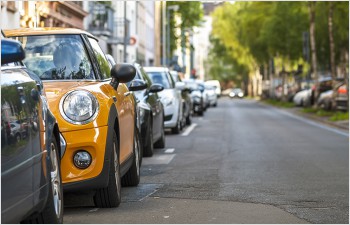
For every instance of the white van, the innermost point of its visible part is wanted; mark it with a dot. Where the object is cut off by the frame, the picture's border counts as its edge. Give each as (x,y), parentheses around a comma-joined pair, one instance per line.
(217,86)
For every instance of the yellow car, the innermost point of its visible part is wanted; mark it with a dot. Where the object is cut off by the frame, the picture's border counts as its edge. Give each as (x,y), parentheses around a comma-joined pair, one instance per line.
(94,109)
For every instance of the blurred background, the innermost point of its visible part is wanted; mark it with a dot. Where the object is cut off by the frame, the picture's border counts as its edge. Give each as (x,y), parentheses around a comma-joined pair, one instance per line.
(268,49)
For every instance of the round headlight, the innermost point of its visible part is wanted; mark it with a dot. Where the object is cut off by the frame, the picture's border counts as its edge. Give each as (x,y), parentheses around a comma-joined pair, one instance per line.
(79,107)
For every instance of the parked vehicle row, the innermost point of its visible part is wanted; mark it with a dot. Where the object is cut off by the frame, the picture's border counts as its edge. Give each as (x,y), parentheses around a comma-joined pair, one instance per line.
(307,96)
(80,121)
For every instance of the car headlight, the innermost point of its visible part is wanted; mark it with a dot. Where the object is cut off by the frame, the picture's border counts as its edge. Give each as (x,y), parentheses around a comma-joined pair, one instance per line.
(167,101)
(79,107)
(240,94)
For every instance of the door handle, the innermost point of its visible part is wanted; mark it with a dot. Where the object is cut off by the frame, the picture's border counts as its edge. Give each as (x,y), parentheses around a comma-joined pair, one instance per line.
(127,93)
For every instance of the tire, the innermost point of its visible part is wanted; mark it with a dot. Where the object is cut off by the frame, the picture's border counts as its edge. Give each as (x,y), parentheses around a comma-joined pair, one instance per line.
(188,120)
(132,177)
(53,210)
(200,113)
(148,148)
(110,196)
(18,138)
(177,128)
(161,142)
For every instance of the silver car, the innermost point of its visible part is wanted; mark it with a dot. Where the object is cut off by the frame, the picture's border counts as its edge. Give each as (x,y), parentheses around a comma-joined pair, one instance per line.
(170,97)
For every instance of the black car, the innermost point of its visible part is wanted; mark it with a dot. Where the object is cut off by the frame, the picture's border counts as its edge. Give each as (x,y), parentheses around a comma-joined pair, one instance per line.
(151,113)
(31,187)
(149,108)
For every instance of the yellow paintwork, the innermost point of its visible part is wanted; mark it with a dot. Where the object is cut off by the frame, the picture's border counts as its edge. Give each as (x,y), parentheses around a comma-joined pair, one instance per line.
(92,136)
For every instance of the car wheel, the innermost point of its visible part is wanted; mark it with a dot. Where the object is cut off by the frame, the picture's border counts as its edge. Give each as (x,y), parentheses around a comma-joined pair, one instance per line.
(177,128)
(53,210)
(110,196)
(200,113)
(132,177)
(188,119)
(161,142)
(148,149)
(18,138)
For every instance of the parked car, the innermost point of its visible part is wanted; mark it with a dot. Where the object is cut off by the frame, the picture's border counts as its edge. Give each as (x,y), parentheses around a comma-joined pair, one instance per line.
(325,100)
(170,97)
(31,188)
(94,109)
(186,98)
(341,98)
(198,103)
(212,97)
(205,94)
(302,98)
(236,93)
(217,86)
(150,111)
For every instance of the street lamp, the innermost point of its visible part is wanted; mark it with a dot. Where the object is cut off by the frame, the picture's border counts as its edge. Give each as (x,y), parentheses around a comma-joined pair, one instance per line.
(166,45)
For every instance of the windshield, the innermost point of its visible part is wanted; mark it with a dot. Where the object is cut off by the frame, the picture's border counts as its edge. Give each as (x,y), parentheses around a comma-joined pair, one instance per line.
(160,78)
(57,57)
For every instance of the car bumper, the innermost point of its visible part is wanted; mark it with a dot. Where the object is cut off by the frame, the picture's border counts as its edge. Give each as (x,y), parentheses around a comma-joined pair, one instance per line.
(93,141)
(171,116)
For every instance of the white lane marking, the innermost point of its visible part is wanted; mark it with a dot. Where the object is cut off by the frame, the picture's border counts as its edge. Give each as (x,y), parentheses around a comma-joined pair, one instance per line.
(189,129)
(314,123)
(169,150)
(158,159)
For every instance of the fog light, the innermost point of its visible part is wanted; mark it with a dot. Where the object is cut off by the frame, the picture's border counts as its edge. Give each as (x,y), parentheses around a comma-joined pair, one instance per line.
(82,159)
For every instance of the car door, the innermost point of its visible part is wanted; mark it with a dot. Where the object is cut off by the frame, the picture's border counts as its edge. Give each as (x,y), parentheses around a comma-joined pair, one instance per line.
(124,102)
(17,155)
(156,107)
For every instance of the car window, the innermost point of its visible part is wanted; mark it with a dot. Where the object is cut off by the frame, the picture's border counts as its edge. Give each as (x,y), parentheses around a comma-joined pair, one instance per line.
(161,78)
(101,59)
(57,57)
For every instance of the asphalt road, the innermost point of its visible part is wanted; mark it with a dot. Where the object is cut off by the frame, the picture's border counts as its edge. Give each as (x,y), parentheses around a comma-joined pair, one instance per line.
(243,162)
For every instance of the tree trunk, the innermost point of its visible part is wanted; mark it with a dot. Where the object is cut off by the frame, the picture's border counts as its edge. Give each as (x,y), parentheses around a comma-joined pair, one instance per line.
(332,59)
(312,6)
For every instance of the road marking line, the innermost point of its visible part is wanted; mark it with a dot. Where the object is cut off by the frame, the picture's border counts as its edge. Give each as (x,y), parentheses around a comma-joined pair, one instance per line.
(158,159)
(189,129)
(169,150)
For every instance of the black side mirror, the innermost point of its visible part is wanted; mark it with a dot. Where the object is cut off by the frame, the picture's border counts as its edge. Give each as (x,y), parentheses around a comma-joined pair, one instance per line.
(11,51)
(137,85)
(156,88)
(122,73)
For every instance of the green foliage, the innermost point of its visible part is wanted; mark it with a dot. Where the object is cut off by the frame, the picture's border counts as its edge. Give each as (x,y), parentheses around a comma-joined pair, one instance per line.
(338,116)
(252,33)
(191,13)
(278,103)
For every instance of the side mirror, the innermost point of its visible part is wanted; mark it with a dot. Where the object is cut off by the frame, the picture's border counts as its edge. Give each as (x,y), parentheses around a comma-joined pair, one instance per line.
(122,73)
(156,88)
(11,51)
(137,85)
(180,85)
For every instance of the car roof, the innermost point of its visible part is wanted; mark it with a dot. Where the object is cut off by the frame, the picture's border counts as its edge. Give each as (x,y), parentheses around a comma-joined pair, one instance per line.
(155,69)
(44,31)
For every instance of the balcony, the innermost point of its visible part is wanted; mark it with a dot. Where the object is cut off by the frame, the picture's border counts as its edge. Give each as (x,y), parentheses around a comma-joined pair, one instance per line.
(101,19)
(118,31)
